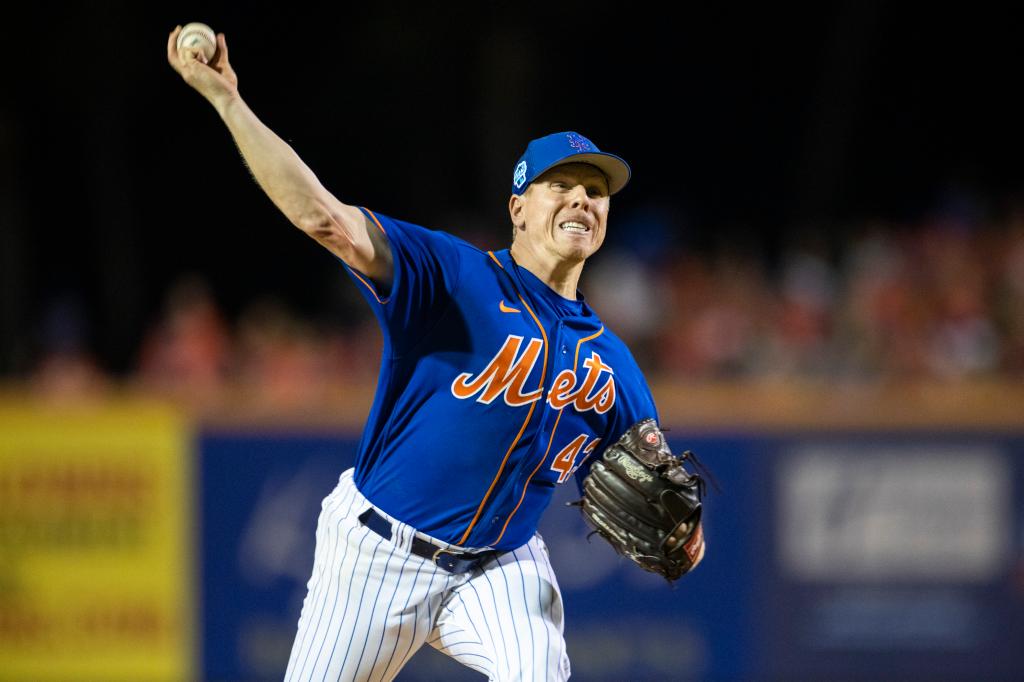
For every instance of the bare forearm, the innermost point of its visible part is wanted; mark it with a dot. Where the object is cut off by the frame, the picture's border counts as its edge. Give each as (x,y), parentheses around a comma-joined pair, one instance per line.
(285,178)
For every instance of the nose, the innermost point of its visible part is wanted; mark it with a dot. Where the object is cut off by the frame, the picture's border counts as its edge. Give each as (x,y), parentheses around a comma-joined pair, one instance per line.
(579,196)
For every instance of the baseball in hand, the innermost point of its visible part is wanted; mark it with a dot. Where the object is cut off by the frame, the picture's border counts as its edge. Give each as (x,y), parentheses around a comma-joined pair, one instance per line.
(198,36)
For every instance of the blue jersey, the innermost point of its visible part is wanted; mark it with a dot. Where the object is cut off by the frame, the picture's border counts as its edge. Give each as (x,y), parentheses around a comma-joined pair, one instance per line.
(493,388)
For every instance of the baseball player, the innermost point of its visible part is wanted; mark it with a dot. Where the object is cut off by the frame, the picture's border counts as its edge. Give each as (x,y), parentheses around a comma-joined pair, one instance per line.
(498,382)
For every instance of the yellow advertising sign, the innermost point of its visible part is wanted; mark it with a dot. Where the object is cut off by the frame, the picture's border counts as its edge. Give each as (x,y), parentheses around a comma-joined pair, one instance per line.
(96,571)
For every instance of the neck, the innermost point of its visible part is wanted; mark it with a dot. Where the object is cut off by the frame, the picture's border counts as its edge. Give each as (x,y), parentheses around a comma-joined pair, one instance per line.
(562,276)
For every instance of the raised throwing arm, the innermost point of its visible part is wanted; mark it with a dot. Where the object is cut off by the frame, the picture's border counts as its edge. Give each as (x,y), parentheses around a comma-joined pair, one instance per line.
(286,179)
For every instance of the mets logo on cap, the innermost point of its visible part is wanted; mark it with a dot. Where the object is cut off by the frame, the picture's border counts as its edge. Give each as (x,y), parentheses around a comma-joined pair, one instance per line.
(580,143)
(519,177)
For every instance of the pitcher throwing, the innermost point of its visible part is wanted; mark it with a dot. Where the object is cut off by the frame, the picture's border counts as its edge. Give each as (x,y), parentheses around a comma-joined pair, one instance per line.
(498,382)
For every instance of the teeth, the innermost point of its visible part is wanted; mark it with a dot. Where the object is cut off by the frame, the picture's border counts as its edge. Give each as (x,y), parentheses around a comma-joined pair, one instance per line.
(571,226)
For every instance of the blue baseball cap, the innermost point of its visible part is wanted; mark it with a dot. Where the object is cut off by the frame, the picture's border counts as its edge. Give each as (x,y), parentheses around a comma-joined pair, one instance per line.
(568,147)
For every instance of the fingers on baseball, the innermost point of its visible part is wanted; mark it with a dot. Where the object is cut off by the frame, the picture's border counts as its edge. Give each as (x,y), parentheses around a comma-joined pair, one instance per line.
(184,58)
(219,60)
(192,54)
(172,47)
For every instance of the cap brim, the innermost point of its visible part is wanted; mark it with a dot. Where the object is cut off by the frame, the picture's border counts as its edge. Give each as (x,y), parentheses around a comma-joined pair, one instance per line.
(615,169)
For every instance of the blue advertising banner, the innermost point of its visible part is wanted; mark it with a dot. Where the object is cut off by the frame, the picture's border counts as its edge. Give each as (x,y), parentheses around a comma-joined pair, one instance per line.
(260,497)
(830,556)
(895,556)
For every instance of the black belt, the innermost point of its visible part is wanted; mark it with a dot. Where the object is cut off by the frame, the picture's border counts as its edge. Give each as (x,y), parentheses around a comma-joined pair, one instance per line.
(453,562)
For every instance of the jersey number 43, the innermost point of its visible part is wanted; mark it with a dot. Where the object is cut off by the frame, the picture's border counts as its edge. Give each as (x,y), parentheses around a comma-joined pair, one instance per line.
(565,461)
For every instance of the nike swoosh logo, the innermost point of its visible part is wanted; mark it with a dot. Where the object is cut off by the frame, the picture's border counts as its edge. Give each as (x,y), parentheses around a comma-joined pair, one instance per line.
(506,309)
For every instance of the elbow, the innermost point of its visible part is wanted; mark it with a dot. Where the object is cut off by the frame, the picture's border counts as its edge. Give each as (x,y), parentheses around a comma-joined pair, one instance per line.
(324,228)
(316,223)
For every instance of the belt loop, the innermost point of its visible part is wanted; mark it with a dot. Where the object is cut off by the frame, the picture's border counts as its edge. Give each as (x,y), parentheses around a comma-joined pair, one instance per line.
(403,535)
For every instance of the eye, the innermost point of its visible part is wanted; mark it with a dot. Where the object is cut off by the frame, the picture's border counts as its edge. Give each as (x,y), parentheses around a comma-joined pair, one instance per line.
(595,192)
(558,184)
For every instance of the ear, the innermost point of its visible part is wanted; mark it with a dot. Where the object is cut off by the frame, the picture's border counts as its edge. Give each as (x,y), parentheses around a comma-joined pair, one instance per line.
(517,210)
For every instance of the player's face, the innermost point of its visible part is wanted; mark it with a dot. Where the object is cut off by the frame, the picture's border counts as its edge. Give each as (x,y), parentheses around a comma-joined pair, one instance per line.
(566,212)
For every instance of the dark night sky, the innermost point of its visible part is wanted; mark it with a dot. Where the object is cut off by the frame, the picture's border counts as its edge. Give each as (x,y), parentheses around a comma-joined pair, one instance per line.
(750,125)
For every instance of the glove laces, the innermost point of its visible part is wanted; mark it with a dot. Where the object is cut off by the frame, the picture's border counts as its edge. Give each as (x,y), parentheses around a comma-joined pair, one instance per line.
(702,471)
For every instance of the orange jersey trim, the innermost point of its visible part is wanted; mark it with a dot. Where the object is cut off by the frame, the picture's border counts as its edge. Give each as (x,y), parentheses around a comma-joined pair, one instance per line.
(359,276)
(495,259)
(373,216)
(522,497)
(368,286)
(576,358)
(522,429)
(551,440)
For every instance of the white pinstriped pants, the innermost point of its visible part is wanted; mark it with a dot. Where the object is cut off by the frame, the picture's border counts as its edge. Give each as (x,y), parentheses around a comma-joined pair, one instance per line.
(370,605)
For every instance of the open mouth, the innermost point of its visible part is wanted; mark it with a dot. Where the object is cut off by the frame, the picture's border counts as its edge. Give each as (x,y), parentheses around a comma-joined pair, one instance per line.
(572,226)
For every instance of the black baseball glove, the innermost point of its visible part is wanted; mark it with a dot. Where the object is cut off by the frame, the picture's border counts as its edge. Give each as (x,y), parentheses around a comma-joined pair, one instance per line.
(641,499)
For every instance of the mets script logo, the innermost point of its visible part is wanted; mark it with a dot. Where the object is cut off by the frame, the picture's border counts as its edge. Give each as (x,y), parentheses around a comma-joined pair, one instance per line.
(579,143)
(519,177)
(505,375)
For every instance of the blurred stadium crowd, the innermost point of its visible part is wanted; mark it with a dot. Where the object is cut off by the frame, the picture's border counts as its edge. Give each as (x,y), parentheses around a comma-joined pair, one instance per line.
(939,300)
